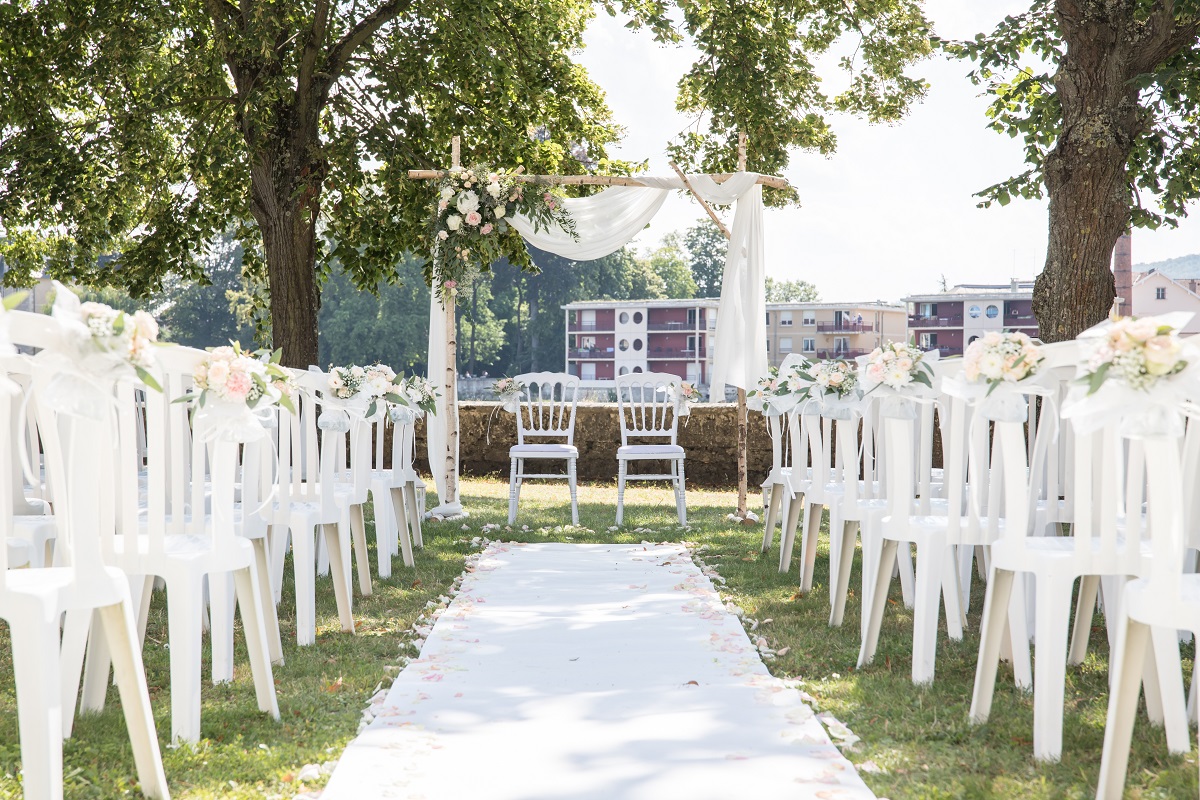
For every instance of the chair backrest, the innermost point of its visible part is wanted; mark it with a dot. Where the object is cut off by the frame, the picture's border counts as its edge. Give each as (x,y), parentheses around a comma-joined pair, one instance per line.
(548,405)
(647,405)
(305,471)
(10,483)
(351,450)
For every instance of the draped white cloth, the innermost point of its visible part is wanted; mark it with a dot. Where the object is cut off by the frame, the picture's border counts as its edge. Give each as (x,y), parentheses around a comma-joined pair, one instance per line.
(604,223)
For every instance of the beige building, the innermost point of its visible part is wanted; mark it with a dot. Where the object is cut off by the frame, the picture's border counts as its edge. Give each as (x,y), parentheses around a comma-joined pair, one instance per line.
(831,330)
(1157,293)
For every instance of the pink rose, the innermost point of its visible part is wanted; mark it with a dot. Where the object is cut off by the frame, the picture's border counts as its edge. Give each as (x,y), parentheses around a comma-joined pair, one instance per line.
(443,205)
(237,386)
(450,284)
(473,218)
(486,229)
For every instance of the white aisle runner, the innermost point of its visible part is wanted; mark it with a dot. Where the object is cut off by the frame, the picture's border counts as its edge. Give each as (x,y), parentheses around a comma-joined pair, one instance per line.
(613,672)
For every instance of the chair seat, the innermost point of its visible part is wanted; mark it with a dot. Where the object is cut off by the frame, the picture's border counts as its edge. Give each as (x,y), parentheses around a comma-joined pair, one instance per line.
(544,450)
(661,451)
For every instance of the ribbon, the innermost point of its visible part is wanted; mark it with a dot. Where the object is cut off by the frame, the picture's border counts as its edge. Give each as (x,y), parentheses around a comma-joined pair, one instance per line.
(900,403)
(845,407)
(511,402)
(224,421)
(1007,402)
(404,415)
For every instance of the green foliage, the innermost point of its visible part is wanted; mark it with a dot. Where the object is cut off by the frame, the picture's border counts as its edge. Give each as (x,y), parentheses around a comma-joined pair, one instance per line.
(1017,64)
(796,291)
(706,249)
(669,262)
(390,326)
(203,314)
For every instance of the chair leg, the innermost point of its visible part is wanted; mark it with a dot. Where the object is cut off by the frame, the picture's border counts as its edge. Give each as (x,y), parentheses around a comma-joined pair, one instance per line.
(904,568)
(841,589)
(402,522)
(119,629)
(572,482)
(95,674)
(1085,609)
(322,557)
(882,580)
(415,504)
(74,645)
(183,620)
(304,570)
(680,494)
(339,551)
(1165,673)
(621,470)
(808,540)
(995,612)
(358,530)
(787,537)
(1050,667)
(249,601)
(772,515)
(930,580)
(221,608)
(385,532)
(39,712)
(280,535)
(1129,656)
(956,617)
(1018,636)
(513,483)
(262,567)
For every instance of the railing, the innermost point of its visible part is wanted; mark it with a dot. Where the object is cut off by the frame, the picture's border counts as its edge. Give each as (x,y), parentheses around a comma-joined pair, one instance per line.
(935,322)
(658,353)
(1021,320)
(590,352)
(587,327)
(844,327)
(674,326)
(836,354)
(948,351)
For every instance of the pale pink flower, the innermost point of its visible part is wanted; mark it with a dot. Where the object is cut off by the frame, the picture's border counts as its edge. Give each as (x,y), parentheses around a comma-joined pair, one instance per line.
(486,229)
(237,386)
(473,218)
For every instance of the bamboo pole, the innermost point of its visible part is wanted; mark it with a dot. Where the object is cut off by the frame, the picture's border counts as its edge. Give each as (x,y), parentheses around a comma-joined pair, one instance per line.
(771,181)
(451,382)
(703,204)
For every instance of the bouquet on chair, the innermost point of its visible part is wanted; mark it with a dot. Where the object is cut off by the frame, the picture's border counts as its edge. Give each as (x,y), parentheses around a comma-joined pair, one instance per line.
(685,396)
(781,390)
(410,398)
(1138,371)
(106,342)
(835,384)
(237,391)
(361,388)
(999,370)
(901,374)
(509,391)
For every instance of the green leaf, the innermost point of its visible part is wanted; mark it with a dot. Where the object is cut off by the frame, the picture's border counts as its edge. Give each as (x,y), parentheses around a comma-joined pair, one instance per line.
(1096,379)
(148,379)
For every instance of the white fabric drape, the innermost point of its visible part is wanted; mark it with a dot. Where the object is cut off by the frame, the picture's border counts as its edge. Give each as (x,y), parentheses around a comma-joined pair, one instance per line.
(607,221)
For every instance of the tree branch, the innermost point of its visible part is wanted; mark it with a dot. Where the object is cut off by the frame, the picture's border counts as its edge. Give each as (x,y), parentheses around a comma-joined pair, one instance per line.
(1167,37)
(364,29)
(308,59)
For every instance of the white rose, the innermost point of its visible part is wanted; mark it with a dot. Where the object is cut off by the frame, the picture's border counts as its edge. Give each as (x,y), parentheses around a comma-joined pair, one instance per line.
(1161,354)
(467,202)
(499,211)
(218,373)
(145,325)
(357,372)
(493,189)
(447,193)
(454,222)
(897,378)
(991,366)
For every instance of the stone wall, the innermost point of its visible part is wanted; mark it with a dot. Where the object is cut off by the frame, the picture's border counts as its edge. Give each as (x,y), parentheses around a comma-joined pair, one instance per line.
(708,435)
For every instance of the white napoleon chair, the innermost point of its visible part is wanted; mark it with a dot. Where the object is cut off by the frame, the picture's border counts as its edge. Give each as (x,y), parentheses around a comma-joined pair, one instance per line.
(648,408)
(546,411)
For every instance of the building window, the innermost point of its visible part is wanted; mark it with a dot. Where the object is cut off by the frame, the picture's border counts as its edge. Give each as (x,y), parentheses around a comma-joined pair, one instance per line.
(785,318)
(972,340)
(691,317)
(624,318)
(637,318)
(1160,293)
(810,319)
(809,345)
(974,311)
(623,344)
(785,344)
(768,319)
(992,312)
(637,369)
(637,344)
(928,341)
(768,345)
(623,371)
(841,345)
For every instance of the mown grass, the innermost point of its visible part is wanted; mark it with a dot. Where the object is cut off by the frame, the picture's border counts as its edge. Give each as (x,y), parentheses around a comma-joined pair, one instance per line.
(919,738)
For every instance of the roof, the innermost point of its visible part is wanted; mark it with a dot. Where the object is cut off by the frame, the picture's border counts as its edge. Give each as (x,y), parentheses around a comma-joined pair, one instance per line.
(1013,290)
(1184,267)
(1164,276)
(695,302)
(877,305)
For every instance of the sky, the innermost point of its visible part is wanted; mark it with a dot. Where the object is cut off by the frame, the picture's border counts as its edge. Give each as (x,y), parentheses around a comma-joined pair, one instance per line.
(892,211)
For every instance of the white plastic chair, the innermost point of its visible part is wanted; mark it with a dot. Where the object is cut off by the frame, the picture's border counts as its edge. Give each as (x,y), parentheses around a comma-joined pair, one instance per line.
(546,412)
(780,485)
(32,601)
(1168,597)
(648,409)
(394,491)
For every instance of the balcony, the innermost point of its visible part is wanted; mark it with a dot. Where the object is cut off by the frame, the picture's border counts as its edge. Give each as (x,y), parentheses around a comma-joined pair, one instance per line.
(935,322)
(590,352)
(1020,321)
(660,353)
(845,327)
(673,326)
(588,327)
(835,354)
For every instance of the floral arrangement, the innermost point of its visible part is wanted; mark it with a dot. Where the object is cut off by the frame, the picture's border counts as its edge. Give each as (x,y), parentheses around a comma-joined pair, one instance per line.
(255,379)
(896,365)
(109,335)
(998,358)
(414,392)
(834,376)
(508,388)
(471,220)
(685,396)
(1137,352)
(783,387)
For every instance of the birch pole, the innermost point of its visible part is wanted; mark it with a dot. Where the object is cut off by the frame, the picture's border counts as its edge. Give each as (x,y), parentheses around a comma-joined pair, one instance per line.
(742,414)
(451,385)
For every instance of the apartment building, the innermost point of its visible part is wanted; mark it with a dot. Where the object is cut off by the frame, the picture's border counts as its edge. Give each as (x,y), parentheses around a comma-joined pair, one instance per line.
(1156,292)
(949,321)
(606,338)
(831,330)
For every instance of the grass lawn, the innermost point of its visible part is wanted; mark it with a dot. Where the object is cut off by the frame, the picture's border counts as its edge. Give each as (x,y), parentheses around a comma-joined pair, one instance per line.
(919,738)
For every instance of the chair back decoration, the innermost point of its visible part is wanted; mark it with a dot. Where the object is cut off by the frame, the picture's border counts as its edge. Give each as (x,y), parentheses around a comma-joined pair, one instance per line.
(646,406)
(547,405)
(901,376)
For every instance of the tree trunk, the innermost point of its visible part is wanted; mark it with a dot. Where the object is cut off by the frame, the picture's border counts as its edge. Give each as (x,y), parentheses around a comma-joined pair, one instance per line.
(1085,173)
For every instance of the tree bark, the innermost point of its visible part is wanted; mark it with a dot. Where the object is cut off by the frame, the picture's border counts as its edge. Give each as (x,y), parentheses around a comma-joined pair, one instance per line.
(1085,172)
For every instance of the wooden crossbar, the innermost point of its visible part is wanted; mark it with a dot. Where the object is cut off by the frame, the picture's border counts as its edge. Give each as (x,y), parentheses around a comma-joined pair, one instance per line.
(772,181)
